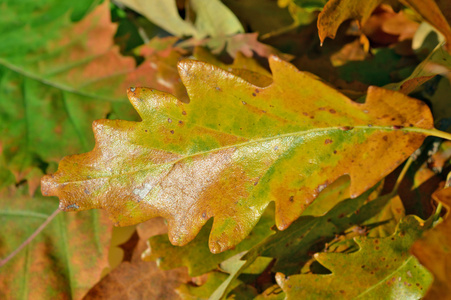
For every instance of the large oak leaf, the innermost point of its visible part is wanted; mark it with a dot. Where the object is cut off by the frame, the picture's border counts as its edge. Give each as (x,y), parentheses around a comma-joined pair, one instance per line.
(235,148)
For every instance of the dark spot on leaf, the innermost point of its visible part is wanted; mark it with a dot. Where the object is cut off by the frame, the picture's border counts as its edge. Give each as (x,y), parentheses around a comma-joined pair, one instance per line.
(397,127)
(291,198)
(346,128)
(257,91)
(218,88)
(377,247)
(328,141)
(322,108)
(312,117)
(255,183)
(342,292)
(363,267)
(332,111)
(181,122)
(254,94)
(329,220)
(305,114)
(264,111)
(184,113)
(376,241)
(172,131)
(411,125)
(385,138)
(335,151)
(145,130)
(340,216)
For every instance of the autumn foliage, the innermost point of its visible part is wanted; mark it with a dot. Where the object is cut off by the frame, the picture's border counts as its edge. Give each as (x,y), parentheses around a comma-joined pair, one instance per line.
(252,149)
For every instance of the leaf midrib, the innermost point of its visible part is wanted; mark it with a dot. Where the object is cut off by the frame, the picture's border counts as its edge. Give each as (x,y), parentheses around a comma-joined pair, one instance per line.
(262,140)
(56,85)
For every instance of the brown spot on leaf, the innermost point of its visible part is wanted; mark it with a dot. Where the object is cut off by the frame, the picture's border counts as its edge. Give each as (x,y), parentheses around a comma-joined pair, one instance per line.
(291,198)
(397,127)
(172,131)
(253,94)
(385,138)
(184,113)
(328,141)
(332,111)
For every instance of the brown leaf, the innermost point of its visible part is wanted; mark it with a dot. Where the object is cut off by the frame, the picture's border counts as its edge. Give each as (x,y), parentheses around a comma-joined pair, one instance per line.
(433,251)
(335,12)
(141,280)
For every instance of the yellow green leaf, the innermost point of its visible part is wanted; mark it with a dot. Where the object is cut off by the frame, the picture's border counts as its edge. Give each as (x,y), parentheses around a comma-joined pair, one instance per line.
(381,269)
(235,148)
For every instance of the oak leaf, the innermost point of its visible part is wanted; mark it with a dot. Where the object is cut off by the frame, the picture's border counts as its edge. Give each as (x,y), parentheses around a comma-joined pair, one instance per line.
(382,268)
(229,157)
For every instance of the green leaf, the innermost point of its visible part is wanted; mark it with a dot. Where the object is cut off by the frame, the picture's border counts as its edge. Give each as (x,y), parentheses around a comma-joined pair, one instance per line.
(196,255)
(291,247)
(63,261)
(230,157)
(214,279)
(212,17)
(57,80)
(262,16)
(437,62)
(382,268)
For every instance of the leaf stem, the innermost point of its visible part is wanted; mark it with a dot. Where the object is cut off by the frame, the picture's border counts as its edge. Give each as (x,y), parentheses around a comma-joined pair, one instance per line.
(30,238)
(402,175)
(432,132)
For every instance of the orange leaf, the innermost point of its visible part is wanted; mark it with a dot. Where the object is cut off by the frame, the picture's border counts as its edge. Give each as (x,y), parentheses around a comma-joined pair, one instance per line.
(433,251)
